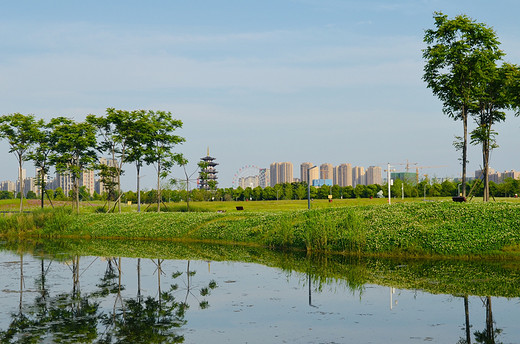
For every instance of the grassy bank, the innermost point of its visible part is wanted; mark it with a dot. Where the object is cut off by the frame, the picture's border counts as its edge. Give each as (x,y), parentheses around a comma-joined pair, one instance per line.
(412,228)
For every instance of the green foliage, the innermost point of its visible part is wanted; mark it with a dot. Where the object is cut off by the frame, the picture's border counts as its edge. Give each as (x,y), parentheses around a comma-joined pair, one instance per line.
(6,195)
(21,131)
(59,194)
(40,154)
(160,142)
(417,228)
(31,195)
(459,56)
(41,221)
(73,150)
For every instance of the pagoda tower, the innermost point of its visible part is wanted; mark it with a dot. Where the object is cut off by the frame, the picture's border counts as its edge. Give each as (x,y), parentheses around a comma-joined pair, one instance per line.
(208,174)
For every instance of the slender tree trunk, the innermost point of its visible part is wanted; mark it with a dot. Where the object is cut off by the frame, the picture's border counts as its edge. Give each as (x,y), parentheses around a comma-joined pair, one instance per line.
(159,271)
(464,150)
(21,282)
(489,321)
(158,187)
(486,152)
(138,166)
(187,189)
(187,283)
(21,181)
(139,298)
(42,187)
(188,195)
(118,170)
(468,327)
(76,192)
(118,166)
(485,156)
(119,189)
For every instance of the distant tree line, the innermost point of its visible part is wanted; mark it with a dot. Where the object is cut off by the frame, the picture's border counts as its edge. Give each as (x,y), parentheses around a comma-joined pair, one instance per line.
(292,191)
(298,191)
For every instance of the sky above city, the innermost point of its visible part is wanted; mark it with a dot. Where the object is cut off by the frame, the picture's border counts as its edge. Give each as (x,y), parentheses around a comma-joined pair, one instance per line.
(323,81)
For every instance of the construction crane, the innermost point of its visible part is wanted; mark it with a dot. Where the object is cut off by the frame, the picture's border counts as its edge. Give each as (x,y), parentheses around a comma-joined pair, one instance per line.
(408,165)
(421,167)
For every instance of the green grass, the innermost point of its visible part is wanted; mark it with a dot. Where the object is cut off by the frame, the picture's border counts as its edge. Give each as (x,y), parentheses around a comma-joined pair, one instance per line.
(408,228)
(230,206)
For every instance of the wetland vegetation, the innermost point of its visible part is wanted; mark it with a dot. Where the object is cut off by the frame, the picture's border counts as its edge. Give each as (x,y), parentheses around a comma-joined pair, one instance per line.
(426,229)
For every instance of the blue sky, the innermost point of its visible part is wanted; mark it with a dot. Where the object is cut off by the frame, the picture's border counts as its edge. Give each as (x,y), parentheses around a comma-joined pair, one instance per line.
(256,81)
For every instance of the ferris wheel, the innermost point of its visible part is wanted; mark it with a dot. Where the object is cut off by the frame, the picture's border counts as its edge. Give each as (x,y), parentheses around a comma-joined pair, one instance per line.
(245,172)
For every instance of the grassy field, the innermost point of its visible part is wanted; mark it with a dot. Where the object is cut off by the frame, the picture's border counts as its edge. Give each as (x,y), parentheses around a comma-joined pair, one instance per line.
(248,206)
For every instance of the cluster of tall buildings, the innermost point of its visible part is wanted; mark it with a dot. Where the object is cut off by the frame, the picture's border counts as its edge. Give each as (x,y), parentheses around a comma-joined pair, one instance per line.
(63,181)
(325,174)
(498,177)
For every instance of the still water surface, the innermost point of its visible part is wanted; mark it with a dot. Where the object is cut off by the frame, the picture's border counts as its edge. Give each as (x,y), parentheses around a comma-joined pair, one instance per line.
(106,300)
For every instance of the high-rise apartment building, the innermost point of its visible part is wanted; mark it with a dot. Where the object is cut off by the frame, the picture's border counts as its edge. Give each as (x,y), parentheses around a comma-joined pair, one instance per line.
(274,172)
(326,171)
(264,177)
(358,176)
(99,186)
(304,170)
(87,180)
(8,185)
(510,174)
(286,172)
(281,172)
(374,175)
(63,181)
(311,175)
(29,184)
(24,176)
(343,175)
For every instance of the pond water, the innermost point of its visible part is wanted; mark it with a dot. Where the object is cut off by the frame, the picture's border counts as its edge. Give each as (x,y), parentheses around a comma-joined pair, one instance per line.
(68,298)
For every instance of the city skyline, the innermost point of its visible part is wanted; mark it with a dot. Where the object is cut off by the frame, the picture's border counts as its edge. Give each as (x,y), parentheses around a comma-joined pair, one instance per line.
(256,81)
(342,176)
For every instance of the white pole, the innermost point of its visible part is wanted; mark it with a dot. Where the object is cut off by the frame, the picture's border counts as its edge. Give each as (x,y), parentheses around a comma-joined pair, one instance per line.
(388,182)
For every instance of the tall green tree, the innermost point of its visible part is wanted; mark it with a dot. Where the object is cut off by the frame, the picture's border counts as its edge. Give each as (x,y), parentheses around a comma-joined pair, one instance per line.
(458,53)
(116,128)
(74,149)
(21,131)
(40,155)
(494,98)
(160,145)
(138,136)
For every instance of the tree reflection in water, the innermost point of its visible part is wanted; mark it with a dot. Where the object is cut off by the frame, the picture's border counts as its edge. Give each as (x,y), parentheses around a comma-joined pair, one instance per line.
(77,318)
(489,335)
(192,288)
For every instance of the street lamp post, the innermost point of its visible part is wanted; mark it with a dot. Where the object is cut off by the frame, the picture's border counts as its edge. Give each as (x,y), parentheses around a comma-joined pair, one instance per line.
(309,186)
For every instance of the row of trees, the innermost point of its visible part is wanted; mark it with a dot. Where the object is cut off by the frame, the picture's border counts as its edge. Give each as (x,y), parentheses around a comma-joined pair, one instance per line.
(287,191)
(291,191)
(298,191)
(464,69)
(138,137)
